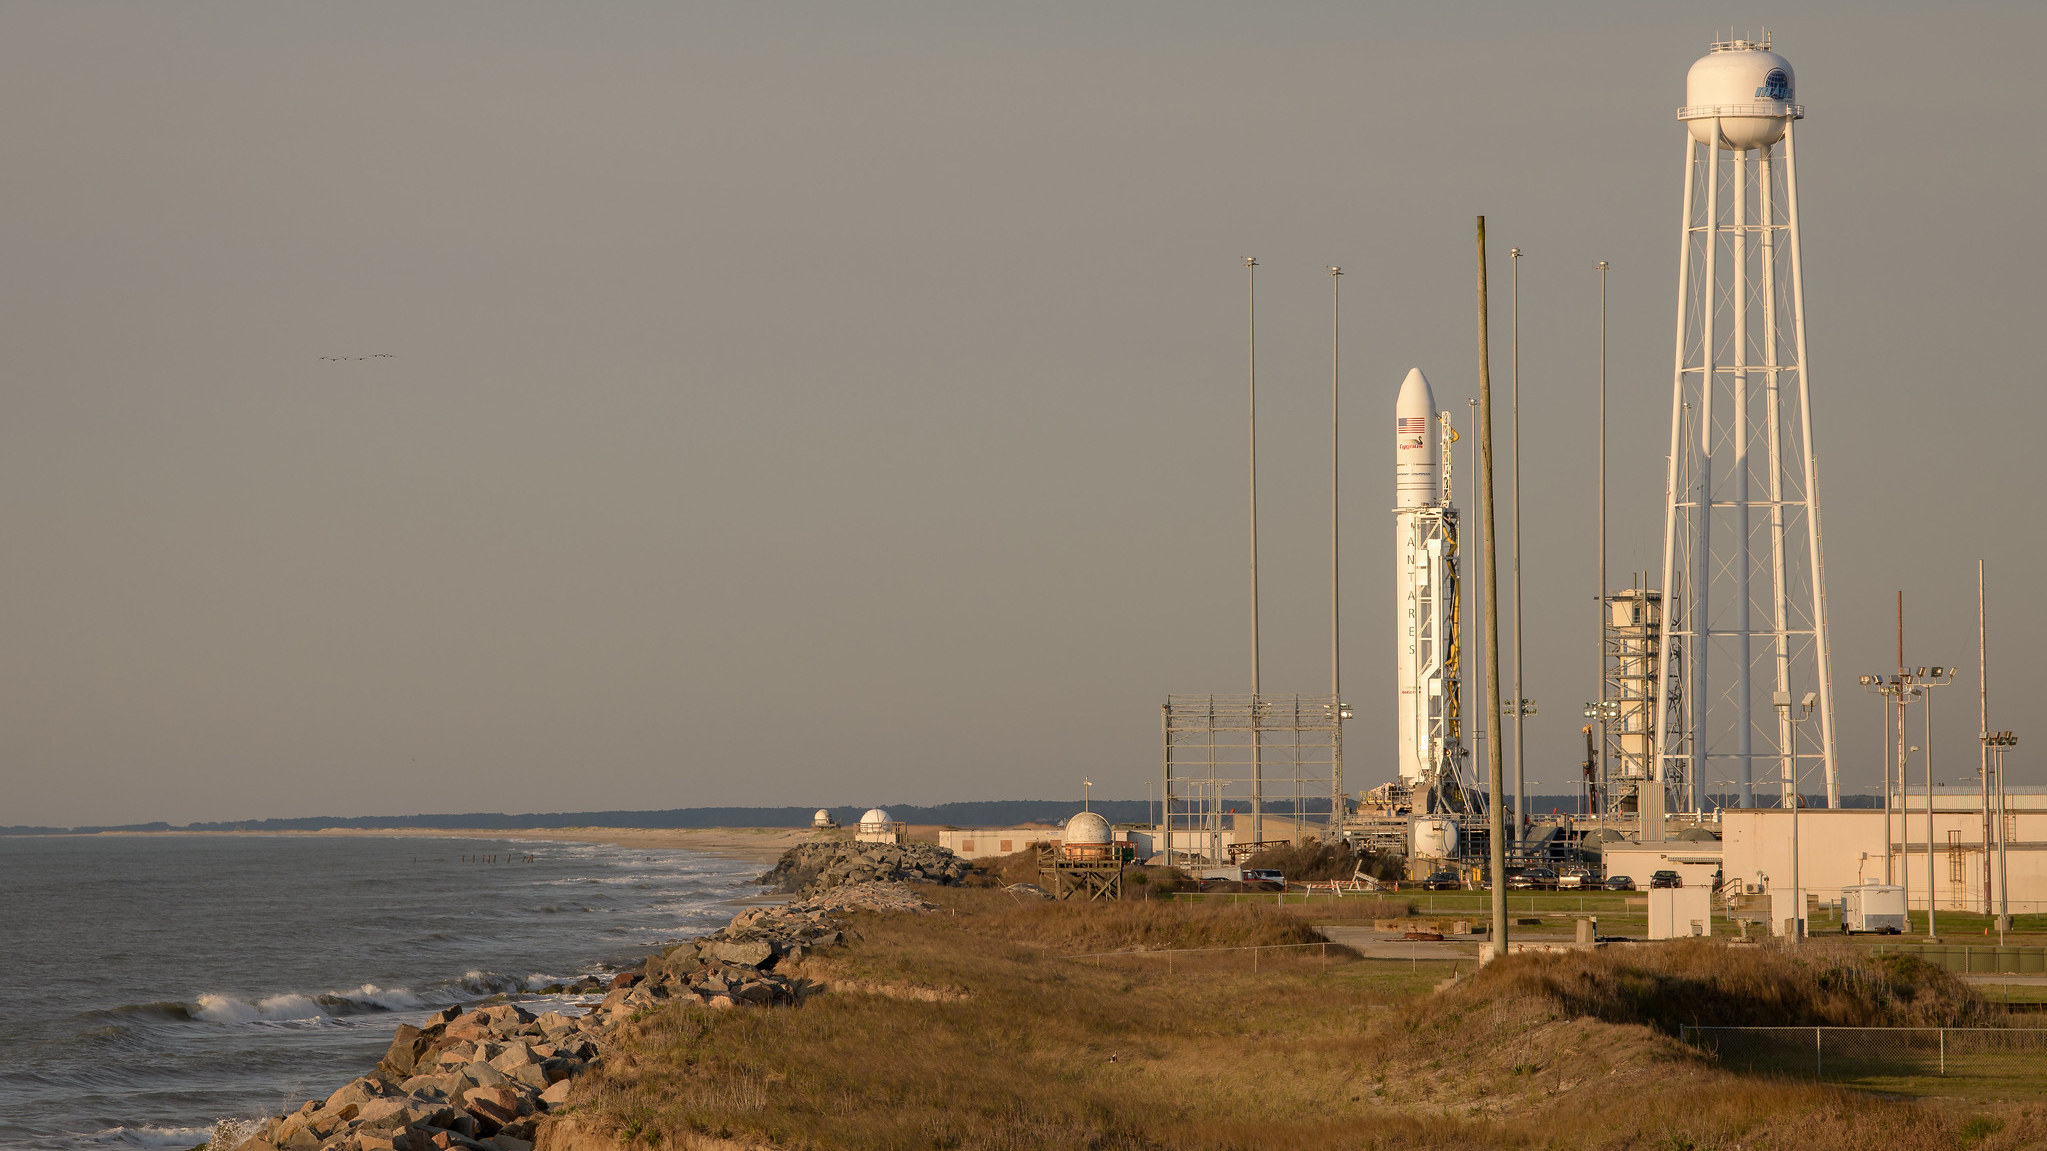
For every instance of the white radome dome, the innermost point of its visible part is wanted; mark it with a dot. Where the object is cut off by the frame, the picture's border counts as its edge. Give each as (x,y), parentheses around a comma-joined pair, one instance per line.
(1087,829)
(823,818)
(874,815)
(1753,90)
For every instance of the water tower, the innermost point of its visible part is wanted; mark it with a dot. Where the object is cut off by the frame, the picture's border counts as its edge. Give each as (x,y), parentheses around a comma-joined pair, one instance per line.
(1745,601)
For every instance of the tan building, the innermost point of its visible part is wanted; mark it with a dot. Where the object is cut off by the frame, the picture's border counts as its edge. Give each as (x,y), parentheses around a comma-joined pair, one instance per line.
(1843,847)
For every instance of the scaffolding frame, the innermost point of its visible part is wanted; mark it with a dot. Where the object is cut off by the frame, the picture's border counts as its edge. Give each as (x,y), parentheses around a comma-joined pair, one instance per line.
(1633,627)
(1257,750)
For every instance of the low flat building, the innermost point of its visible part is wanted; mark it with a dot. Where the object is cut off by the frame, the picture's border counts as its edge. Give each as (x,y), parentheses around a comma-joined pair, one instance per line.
(1842,847)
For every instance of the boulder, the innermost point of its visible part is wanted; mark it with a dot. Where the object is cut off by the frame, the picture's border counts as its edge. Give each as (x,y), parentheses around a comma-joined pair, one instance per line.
(492,1107)
(504,1018)
(504,1142)
(750,954)
(385,1115)
(514,1055)
(406,1048)
(356,1091)
(556,1094)
(484,1075)
(423,1136)
(554,1023)
(625,979)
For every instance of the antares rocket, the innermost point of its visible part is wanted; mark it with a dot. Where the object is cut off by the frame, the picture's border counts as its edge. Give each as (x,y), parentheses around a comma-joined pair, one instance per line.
(1428,610)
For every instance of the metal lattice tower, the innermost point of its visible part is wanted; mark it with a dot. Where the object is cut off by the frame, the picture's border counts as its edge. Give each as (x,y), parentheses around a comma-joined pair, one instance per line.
(1743,584)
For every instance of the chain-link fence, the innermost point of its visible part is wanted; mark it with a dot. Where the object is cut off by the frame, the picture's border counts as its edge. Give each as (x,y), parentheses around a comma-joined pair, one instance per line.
(1878,1053)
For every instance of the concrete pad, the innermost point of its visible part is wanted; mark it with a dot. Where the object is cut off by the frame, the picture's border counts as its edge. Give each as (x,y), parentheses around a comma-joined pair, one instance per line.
(1382,945)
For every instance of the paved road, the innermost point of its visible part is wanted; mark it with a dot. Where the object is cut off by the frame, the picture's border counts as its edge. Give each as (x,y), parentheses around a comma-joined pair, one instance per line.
(1994,977)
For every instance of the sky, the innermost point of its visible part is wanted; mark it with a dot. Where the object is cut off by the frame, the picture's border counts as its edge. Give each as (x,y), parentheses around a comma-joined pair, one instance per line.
(515,407)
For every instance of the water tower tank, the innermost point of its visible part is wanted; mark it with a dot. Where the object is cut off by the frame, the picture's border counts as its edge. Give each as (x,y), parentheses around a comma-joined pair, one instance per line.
(1750,90)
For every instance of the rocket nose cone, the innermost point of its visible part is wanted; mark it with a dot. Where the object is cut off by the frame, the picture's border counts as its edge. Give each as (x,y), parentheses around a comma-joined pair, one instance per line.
(1415,394)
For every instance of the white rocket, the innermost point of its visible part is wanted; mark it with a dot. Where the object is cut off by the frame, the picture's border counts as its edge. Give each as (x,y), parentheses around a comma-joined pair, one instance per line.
(1426,587)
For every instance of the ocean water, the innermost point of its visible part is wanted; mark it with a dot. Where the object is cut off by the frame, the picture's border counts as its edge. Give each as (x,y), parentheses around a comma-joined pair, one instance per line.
(156,984)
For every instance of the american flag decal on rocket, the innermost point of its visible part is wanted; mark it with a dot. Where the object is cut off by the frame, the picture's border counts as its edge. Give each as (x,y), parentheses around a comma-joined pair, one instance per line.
(1412,424)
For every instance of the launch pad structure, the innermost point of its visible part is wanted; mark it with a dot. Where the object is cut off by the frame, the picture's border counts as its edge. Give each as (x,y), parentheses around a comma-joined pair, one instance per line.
(1263,753)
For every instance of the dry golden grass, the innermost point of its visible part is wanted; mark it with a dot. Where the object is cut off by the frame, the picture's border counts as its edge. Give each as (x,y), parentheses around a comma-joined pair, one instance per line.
(1705,983)
(1017,1048)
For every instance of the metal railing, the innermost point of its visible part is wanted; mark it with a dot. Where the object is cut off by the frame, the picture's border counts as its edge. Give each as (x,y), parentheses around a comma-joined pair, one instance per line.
(1863,1053)
(1763,110)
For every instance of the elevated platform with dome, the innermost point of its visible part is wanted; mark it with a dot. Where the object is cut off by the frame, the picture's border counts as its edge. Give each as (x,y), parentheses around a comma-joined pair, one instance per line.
(1087,862)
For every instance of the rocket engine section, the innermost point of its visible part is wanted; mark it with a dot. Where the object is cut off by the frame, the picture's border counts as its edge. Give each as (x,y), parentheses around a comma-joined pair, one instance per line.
(1428,724)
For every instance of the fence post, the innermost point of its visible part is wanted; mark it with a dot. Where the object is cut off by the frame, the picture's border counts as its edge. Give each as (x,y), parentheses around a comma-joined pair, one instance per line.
(1818,1059)
(1943,1051)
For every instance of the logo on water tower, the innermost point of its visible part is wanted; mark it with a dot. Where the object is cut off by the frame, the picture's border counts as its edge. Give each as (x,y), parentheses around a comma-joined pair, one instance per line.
(1776,86)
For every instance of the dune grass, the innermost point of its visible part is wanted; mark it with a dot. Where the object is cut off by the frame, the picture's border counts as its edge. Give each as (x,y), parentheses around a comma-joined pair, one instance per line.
(965,1029)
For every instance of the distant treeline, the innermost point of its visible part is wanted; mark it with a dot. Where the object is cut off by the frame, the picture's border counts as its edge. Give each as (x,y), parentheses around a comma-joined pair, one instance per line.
(994,813)
(998,813)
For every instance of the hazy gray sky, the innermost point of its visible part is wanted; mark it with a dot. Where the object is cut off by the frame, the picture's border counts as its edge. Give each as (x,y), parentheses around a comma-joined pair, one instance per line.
(843,403)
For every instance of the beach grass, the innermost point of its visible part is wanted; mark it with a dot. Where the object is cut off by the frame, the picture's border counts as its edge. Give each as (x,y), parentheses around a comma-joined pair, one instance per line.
(971,1028)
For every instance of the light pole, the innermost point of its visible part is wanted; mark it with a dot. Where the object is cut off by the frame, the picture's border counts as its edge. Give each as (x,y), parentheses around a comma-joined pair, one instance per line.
(1335,601)
(1925,683)
(1877,685)
(1999,742)
(1805,706)
(1600,599)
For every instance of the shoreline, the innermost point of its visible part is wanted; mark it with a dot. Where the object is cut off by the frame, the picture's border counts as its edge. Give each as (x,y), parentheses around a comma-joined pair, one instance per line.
(754,844)
(496,1077)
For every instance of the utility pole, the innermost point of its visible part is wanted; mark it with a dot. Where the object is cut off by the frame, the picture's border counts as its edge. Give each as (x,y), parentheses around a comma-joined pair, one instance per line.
(1520,700)
(1257,738)
(1495,769)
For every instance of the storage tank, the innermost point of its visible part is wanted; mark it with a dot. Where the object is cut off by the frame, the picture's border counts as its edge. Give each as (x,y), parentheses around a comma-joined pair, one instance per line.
(1749,90)
(1435,837)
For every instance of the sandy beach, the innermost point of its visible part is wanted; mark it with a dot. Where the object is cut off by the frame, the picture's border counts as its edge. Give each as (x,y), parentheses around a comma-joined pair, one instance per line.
(758,844)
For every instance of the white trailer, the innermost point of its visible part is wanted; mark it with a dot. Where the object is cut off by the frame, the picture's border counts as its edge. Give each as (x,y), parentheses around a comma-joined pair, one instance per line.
(1873,907)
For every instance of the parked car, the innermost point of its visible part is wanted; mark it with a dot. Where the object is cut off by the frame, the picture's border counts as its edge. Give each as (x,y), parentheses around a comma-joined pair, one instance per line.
(1619,883)
(1442,881)
(1573,880)
(1532,879)
(1666,879)
(1264,875)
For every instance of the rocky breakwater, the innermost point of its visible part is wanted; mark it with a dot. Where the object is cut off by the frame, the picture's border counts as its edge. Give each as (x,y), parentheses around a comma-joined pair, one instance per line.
(485,1079)
(478,1079)
(832,863)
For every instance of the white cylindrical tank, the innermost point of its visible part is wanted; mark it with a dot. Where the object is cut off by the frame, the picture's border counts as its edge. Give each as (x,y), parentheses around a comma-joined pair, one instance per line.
(1417,470)
(1435,837)
(1747,89)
